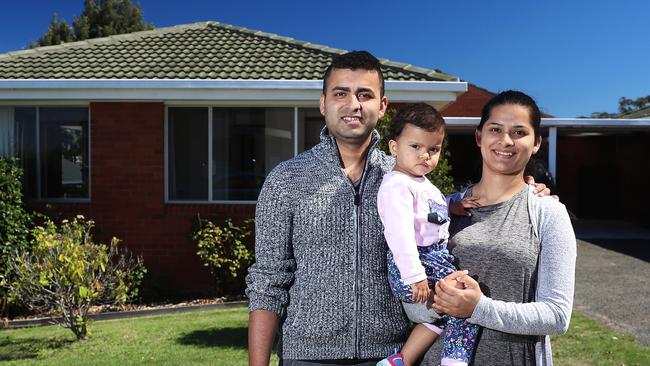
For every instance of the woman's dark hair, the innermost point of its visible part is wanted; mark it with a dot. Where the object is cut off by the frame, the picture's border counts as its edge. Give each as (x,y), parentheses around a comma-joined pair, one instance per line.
(418,114)
(516,98)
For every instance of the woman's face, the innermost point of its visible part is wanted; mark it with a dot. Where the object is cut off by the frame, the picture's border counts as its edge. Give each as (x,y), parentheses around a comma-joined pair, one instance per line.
(507,140)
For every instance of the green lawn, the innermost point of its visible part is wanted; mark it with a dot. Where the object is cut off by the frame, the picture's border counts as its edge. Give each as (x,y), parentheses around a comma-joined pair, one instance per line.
(588,342)
(218,337)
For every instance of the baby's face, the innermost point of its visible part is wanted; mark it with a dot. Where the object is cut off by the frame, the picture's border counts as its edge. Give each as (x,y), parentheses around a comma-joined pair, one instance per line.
(417,150)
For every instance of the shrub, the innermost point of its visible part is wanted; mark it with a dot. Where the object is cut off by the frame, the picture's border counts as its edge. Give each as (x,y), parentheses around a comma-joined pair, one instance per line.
(68,273)
(14,220)
(440,176)
(222,248)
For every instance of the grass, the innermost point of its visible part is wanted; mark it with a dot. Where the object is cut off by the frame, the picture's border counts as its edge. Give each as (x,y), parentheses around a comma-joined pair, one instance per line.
(588,342)
(219,337)
(215,337)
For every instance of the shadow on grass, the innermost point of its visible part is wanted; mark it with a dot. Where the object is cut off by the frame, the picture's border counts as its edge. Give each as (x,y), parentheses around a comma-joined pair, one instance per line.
(21,349)
(217,337)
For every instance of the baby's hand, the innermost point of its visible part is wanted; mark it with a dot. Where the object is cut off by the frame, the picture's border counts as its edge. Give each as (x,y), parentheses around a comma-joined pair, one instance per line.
(457,283)
(420,291)
(459,208)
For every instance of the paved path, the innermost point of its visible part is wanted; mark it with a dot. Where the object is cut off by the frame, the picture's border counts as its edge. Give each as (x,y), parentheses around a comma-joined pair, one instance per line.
(613,275)
(614,288)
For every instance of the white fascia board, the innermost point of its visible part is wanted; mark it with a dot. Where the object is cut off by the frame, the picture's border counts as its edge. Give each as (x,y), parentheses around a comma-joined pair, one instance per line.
(180,90)
(595,122)
(562,122)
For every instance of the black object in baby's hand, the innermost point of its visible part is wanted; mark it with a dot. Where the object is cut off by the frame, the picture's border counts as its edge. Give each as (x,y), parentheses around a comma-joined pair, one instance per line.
(435,218)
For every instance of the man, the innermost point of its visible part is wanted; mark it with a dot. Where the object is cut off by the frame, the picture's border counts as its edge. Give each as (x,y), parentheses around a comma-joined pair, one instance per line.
(320,267)
(320,251)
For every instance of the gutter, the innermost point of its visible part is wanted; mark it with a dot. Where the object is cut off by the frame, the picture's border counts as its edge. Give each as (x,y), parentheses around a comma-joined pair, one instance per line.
(200,89)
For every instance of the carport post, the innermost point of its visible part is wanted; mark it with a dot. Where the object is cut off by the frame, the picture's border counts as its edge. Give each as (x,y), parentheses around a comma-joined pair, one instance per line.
(552,152)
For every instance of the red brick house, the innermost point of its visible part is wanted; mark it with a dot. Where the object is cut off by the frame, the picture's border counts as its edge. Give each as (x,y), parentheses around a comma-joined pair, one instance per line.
(143,132)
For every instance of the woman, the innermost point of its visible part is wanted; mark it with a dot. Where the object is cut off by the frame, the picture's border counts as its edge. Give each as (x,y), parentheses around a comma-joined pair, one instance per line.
(521,248)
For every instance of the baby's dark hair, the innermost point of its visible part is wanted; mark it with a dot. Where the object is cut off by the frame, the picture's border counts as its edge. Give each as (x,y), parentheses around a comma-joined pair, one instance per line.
(420,115)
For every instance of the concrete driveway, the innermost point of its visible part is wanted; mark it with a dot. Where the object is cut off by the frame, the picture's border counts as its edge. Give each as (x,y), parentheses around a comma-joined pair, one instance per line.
(613,276)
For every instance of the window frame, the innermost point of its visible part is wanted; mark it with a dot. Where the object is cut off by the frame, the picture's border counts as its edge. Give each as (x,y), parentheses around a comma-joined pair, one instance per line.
(39,190)
(210,106)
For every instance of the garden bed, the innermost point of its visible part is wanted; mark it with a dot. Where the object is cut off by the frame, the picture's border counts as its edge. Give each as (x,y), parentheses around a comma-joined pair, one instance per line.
(106,312)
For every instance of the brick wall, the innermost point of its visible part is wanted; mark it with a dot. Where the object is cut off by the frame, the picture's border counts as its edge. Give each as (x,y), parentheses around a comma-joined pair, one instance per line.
(127,194)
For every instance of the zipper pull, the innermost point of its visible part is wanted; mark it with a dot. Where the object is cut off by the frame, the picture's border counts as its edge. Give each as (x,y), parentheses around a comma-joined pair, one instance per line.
(357,199)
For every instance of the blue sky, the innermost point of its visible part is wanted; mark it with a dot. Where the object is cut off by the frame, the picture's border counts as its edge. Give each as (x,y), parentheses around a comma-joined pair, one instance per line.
(573,57)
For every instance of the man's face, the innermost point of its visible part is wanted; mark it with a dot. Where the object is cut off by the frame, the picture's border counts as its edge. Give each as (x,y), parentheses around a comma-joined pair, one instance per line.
(352,104)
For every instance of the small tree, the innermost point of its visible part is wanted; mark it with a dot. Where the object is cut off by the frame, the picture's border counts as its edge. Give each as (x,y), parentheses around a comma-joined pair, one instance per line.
(440,176)
(100,18)
(68,273)
(14,220)
(222,248)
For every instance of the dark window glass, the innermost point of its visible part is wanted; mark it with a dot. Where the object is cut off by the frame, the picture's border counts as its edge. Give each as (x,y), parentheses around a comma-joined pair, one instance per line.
(25,119)
(188,153)
(63,140)
(247,144)
(310,123)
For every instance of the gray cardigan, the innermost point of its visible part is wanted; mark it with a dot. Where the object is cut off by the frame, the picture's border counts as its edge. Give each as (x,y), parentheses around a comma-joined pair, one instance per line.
(550,313)
(321,258)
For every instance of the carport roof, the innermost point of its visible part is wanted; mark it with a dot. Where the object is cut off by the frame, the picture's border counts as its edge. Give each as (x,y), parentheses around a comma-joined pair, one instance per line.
(206,50)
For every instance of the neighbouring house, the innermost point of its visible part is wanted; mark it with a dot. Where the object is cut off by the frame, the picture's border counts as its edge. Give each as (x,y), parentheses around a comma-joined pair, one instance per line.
(143,132)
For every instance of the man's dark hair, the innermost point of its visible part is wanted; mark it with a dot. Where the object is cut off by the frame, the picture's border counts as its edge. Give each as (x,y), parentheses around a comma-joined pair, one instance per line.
(420,115)
(516,98)
(354,60)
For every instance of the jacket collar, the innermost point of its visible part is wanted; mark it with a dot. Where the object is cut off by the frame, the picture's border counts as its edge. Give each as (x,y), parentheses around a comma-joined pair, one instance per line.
(328,151)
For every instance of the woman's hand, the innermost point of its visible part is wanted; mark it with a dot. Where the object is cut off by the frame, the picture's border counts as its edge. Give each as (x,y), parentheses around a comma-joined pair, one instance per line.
(457,302)
(420,291)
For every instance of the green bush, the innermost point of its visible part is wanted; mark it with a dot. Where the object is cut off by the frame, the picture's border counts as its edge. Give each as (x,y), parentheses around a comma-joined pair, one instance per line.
(68,273)
(222,248)
(441,176)
(15,222)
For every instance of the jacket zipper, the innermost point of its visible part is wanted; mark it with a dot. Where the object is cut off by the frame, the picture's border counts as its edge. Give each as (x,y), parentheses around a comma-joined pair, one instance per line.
(357,276)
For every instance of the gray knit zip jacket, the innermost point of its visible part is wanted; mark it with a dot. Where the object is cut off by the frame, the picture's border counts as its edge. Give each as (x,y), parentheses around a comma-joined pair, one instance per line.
(321,258)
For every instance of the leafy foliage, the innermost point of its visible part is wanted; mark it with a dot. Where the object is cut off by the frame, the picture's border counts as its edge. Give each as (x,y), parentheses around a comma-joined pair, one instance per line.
(100,18)
(68,273)
(626,105)
(440,176)
(222,248)
(14,220)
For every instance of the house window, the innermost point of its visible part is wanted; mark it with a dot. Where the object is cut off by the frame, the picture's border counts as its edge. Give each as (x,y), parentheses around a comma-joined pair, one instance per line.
(188,151)
(51,144)
(247,144)
(244,145)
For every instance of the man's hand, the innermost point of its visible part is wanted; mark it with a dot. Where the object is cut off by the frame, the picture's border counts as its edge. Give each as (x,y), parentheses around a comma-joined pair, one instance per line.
(540,188)
(460,208)
(420,291)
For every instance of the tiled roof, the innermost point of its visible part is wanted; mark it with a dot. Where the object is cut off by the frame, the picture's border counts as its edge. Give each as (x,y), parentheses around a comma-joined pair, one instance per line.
(207,50)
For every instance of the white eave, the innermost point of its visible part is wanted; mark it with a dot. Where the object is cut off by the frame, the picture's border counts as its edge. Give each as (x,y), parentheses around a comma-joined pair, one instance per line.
(435,92)
(465,122)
